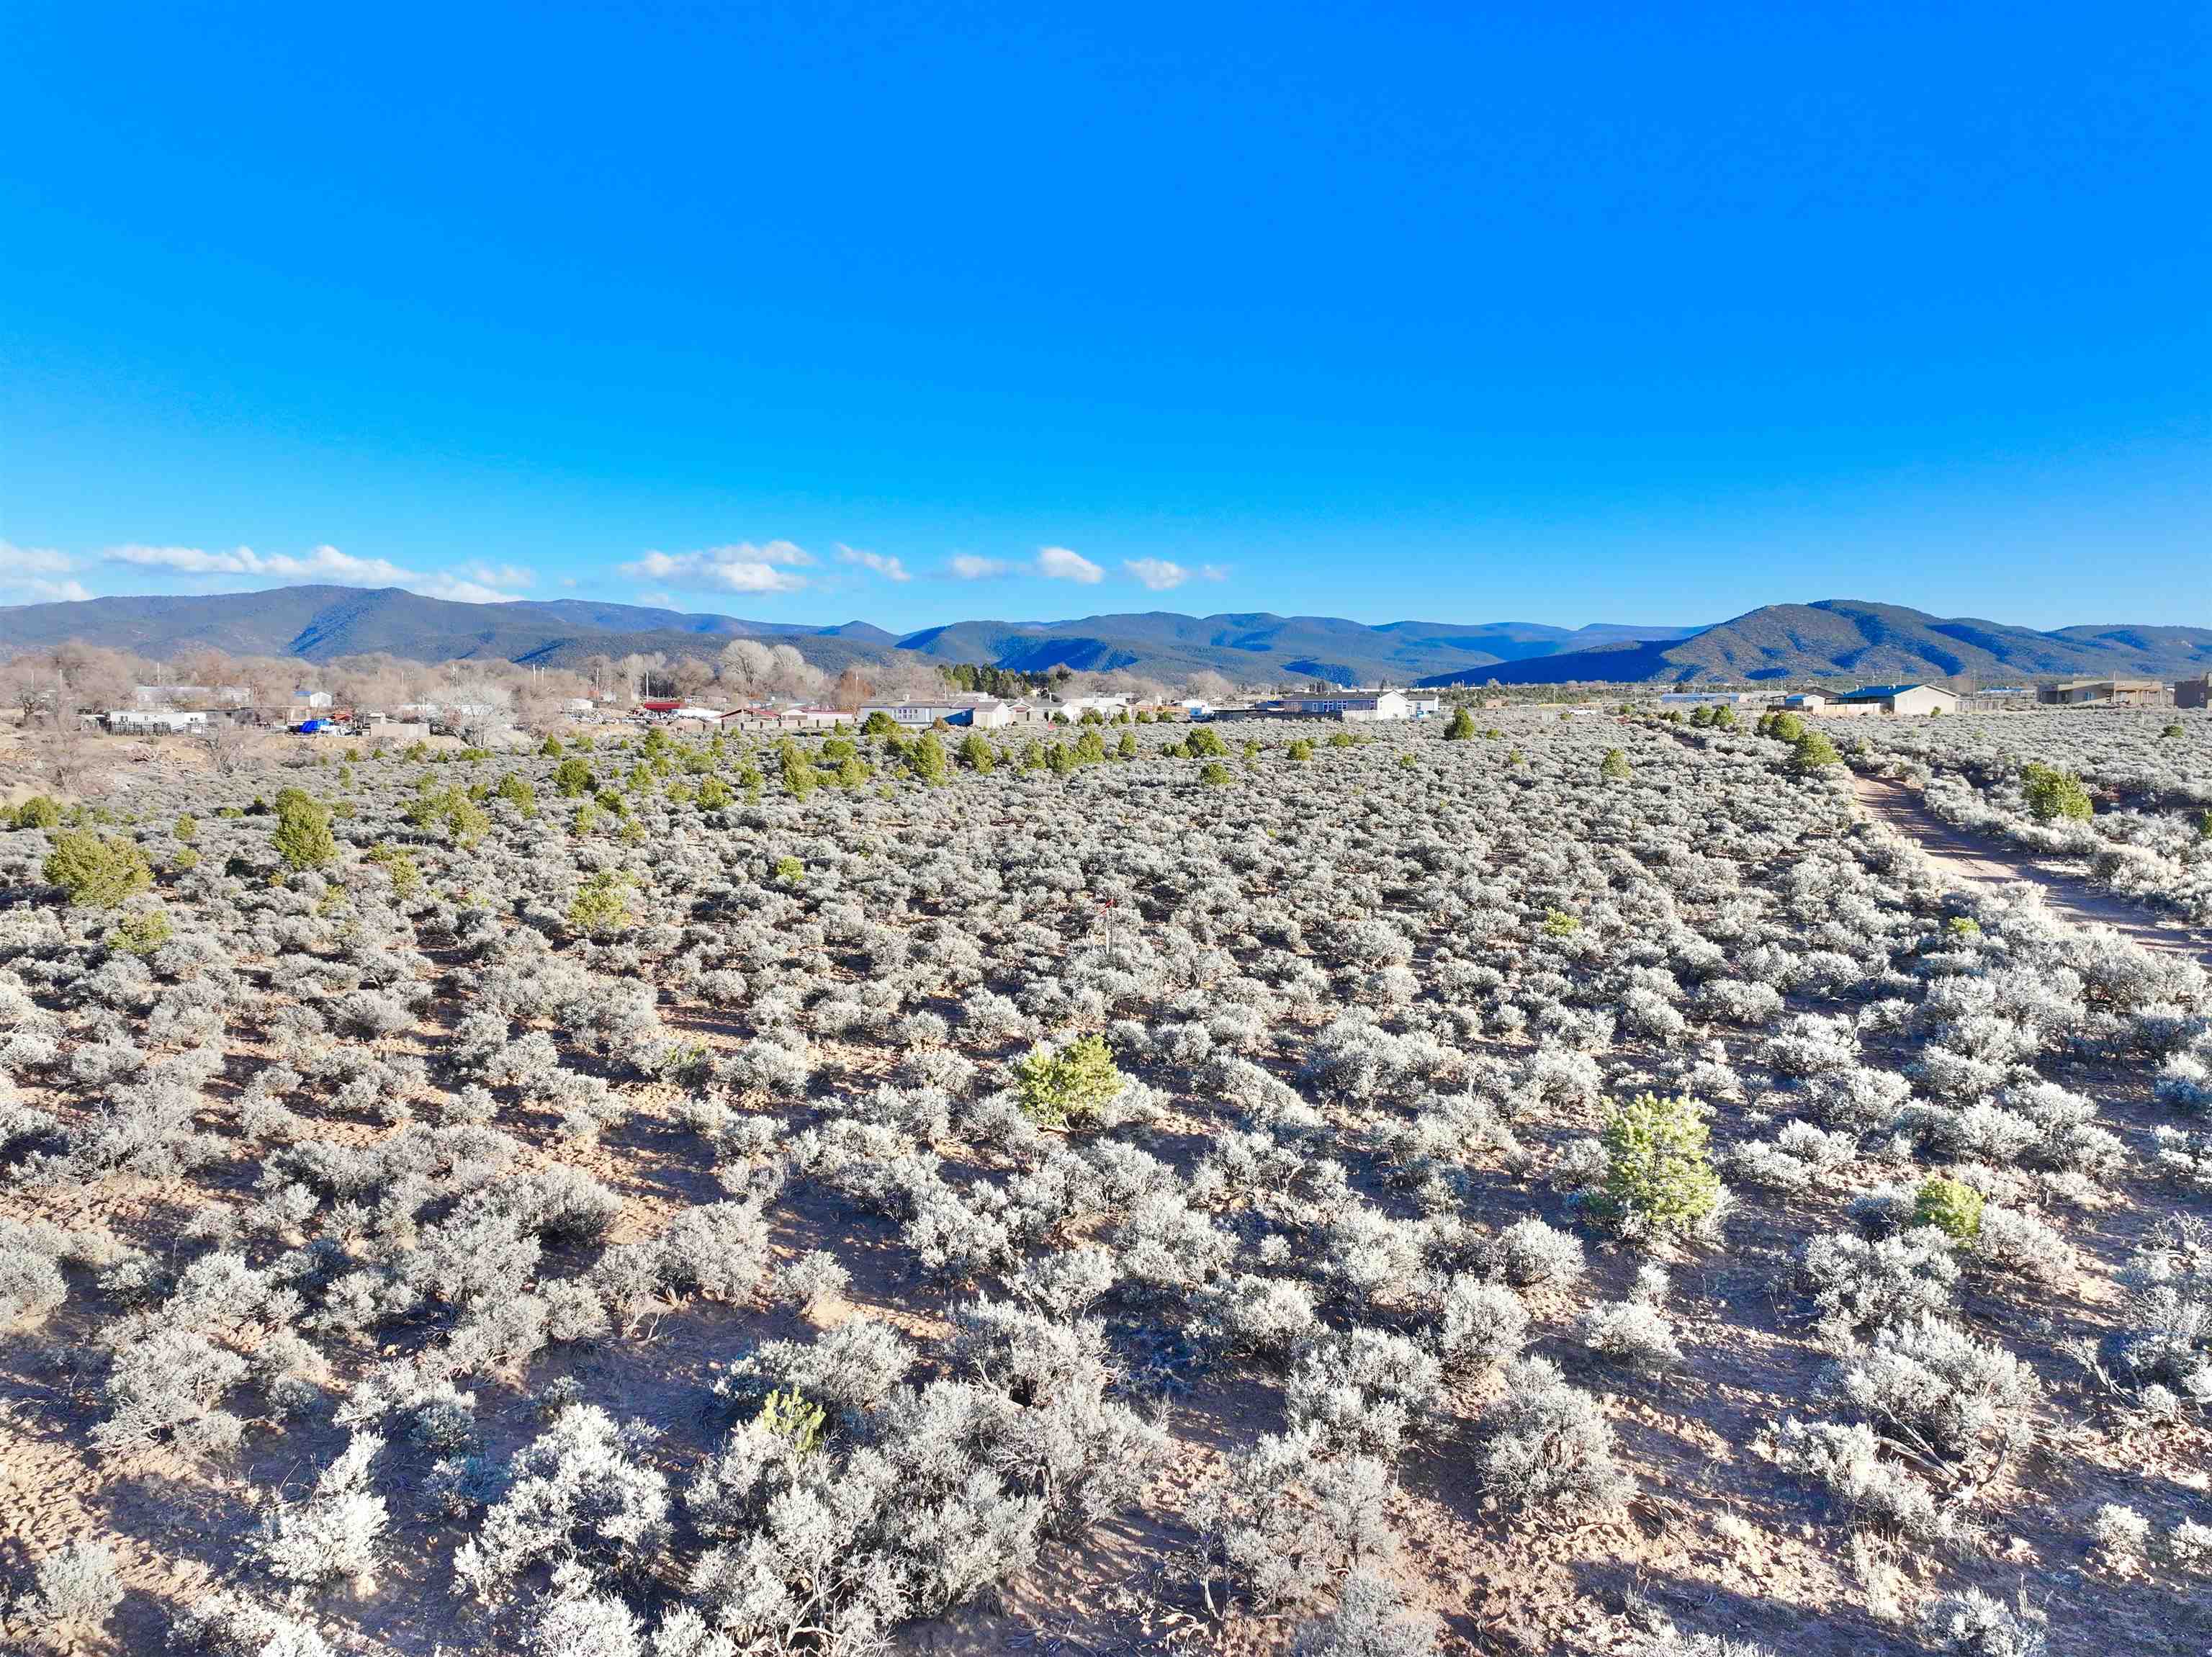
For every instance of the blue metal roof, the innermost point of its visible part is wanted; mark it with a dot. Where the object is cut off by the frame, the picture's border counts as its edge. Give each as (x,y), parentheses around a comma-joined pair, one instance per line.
(1879,692)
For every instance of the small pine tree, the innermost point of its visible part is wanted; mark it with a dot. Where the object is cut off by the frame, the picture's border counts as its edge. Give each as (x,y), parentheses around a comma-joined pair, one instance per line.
(714,793)
(2054,795)
(1659,1172)
(928,761)
(1952,1208)
(573,779)
(140,933)
(518,793)
(977,754)
(800,779)
(38,812)
(601,904)
(1215,774)
(1813,754)
(1614,767)
(1300,748)
(1127,749)
(303,838)
(1461,727)
(1068,1086)
(97,871)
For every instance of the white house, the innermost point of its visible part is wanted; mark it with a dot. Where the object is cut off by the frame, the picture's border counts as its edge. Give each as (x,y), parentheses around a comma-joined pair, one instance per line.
(153,721)
(1904,701)
(1104,703)
(1365,705)
(311,698)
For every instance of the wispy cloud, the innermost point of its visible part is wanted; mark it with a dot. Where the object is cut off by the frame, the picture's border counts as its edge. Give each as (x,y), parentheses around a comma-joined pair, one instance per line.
(38,574)
(473,583)
(882,562)
(966,566)
(1058,563)
(740,568)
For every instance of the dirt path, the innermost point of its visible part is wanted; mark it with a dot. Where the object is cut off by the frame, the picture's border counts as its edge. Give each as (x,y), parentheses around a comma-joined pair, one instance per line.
(1974,860)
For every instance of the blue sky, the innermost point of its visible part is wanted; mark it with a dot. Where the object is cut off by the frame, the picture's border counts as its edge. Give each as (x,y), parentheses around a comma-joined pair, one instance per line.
(912,313)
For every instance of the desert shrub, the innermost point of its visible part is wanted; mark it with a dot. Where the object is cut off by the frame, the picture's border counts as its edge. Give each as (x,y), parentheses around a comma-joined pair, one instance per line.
(1530,1254)
(1547,1450)
(1360,1393)
(577,1495)
(1870,1488)
(1371,1618)
(41,811)
(1614,767)
(2166,1339)
(1285,1520)
(2122,1534)
(334,1533)
(226,1624)
(97,871)
(1633,1333)
(1480,1325)
(1862,1285)
(1971,1623)
(1932,1388)
(1659,1176)
(73,1592)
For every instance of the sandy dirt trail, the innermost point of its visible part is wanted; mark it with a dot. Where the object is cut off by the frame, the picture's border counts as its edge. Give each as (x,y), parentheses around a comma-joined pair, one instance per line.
(1974,860)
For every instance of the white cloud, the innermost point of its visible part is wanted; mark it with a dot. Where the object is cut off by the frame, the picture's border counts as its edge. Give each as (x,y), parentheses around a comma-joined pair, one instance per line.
(966,566)
(1213,572)
(1157,574)
(473,583)
(1058,563)
(740,568)
(882,562)
(38,575)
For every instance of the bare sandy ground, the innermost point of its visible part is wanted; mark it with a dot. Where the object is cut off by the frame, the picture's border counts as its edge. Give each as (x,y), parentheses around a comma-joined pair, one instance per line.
(1974,860)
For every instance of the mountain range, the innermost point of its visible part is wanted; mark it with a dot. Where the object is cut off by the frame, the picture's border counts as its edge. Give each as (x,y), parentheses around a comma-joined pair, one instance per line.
(1834,638)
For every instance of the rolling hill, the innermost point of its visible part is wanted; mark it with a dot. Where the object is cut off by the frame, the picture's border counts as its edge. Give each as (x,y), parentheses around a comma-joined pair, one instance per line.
(316,624)
(1835,638)
(1853,638)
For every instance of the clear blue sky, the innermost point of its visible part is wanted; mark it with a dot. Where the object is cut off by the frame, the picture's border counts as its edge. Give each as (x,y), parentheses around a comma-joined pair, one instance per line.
(1637,314)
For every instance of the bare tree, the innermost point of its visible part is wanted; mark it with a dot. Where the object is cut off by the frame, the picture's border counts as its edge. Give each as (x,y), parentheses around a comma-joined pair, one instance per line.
(227,745)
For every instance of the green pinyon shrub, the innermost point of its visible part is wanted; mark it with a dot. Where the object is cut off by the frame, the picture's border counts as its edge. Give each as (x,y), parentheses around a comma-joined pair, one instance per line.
(1658,1166)
(303,838)
(1067,1086)
(1614,767)
(140,933)
(97,871)
(601,904)
(38,812)
(1814,753)
(2054,795)
(1952,1208)
(1461,727)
